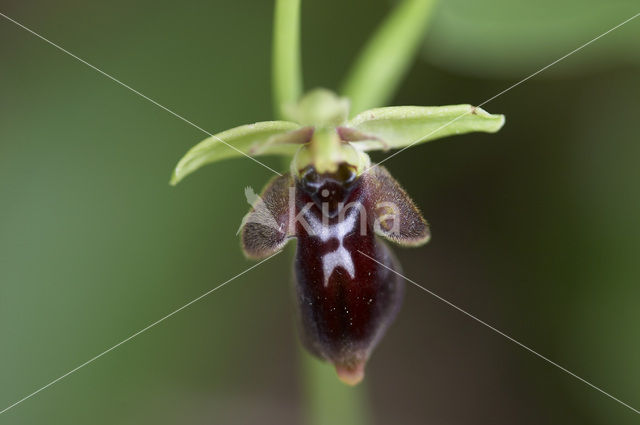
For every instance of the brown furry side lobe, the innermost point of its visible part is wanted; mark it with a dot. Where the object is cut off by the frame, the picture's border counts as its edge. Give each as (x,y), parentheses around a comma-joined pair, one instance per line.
(265,230)
(390,202)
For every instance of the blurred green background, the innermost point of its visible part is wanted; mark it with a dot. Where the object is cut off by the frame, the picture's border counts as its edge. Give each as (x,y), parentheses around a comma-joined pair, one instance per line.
(535,229)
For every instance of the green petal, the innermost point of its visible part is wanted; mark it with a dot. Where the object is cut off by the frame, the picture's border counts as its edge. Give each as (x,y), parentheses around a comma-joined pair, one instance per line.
(401,126)
(261,138)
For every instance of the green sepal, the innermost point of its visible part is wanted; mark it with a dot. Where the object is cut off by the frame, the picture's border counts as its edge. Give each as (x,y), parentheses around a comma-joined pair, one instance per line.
(400,126)
(261,138)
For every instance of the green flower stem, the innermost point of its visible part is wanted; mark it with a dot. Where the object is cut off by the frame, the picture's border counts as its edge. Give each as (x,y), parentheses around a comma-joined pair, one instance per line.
(385,59)
(329,401)
(286,64)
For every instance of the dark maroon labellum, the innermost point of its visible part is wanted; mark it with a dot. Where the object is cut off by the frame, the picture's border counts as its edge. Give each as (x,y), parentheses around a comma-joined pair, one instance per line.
(346,300)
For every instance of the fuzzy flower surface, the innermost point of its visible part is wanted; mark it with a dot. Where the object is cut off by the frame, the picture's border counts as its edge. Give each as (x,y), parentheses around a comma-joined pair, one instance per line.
(341,209)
